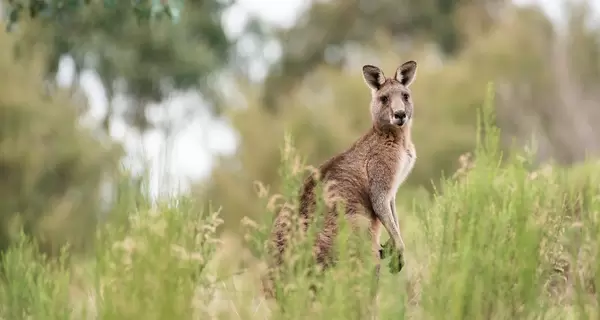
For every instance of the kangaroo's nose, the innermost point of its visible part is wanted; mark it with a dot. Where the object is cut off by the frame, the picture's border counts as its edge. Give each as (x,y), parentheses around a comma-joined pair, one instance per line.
(400,115)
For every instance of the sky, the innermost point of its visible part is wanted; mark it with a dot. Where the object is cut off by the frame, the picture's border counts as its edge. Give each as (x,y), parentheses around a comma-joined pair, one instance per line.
(194,145)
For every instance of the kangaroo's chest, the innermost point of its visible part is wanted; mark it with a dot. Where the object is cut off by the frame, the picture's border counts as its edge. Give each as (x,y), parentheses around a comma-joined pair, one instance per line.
(405,163)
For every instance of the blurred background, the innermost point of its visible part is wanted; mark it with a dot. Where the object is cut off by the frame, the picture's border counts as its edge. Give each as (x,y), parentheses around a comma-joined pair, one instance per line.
(201,106)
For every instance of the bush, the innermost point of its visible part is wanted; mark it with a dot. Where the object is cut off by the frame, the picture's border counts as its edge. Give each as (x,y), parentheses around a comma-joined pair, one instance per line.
(50,167)
(509,243)
(496,241)
(33,286)
(156,268)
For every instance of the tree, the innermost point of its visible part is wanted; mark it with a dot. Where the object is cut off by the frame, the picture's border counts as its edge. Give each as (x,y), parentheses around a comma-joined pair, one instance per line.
(142,9)
(328,109)
(50,168)
(144,62)
(330,31)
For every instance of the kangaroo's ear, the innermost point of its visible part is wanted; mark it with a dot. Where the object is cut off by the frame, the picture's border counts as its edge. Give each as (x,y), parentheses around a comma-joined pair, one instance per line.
(373,76)
(406,73)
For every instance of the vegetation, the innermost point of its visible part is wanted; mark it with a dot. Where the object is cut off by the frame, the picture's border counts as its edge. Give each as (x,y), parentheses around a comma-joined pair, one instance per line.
(500,215)
(495,241)
(108,38)
(142,10)
(327,108)
(51,172)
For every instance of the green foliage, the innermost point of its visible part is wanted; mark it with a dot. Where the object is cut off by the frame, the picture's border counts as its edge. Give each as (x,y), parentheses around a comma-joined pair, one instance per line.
(509,243)
(496,241)
(327,113)
(51,167)
(328,109)
(33,286)
(446,24)
(156,268)
(159,262)
(143,10)
(145,63)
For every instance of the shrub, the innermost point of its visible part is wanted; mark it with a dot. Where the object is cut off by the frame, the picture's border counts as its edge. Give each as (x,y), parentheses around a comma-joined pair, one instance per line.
(33,286)
(497,241)
(509,243)
(51,167)
(156,268)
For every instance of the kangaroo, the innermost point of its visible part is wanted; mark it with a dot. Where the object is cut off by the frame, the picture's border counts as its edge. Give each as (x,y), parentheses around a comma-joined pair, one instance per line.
(366,176)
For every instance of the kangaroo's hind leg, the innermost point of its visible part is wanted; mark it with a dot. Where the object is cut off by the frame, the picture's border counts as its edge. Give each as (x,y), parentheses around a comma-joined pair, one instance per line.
(376,254)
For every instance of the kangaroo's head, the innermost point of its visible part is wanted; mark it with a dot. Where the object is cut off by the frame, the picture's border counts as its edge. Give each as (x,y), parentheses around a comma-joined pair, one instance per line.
(391,101)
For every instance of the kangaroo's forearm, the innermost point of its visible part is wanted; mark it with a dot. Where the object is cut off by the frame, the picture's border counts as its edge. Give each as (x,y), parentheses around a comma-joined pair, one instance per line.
(384,213)
(394,214)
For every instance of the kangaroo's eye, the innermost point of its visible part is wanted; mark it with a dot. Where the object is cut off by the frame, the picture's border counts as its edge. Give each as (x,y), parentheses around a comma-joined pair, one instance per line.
(383,99)
(405,96)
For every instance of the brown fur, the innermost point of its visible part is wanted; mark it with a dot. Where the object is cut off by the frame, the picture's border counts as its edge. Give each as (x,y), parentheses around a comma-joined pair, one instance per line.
(365,177)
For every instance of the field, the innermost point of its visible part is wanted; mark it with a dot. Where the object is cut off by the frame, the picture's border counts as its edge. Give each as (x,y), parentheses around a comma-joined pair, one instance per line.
(498,240)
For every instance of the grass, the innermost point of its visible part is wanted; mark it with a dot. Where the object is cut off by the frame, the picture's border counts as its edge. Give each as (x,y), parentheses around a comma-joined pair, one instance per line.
(498,240)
